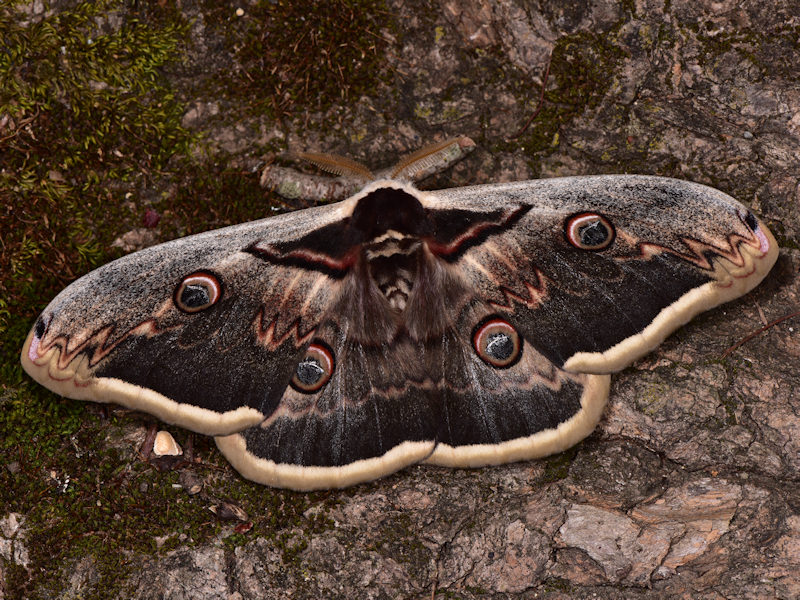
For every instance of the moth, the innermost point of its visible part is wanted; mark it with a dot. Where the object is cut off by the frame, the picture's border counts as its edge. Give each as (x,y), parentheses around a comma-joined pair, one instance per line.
(461,327)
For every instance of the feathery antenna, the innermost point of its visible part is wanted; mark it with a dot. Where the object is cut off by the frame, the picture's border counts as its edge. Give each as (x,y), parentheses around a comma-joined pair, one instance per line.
(338,165)
(431,158)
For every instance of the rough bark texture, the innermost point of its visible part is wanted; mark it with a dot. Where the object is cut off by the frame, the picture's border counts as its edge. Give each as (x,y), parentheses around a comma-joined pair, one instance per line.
(690,486)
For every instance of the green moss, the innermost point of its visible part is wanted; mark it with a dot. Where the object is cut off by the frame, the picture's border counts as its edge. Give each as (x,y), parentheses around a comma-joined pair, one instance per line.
(778,229)
(300,55)
(648,37)
(89,117)
(780,46)
(211,198)
(82,498)
(730,405)
(89,113)
(582,66)
(558,585)
(651,400)
(279,516)
(422,111)
(557,466)
(30,413)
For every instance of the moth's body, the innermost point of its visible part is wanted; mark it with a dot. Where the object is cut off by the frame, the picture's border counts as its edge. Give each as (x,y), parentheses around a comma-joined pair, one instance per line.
(393,263)
(463,327)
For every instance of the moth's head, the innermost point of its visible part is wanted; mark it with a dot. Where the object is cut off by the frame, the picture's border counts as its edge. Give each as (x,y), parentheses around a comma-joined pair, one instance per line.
(388,205)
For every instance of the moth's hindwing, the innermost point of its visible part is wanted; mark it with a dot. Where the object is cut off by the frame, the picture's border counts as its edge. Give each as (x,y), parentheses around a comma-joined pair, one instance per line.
(463,327)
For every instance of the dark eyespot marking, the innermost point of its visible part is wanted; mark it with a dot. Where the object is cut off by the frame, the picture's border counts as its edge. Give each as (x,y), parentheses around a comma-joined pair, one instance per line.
(314,371)
(589,231)
(751,221)
(198,291)
(39,328)
(497,343)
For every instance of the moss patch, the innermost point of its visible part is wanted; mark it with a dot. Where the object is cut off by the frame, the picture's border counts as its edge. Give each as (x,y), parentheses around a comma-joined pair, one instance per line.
(300,56)
(210,198)
(90,131)
(84,498)
(772,55)
(84,116)
(557,466)
(582,66)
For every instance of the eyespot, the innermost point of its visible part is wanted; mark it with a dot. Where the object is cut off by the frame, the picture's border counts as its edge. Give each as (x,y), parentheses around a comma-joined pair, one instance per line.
(497,342)
(314,371)
(197,291)
(589,231)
